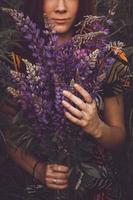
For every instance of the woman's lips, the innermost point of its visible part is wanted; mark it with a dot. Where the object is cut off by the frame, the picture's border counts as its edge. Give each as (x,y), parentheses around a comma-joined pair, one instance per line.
(60,21)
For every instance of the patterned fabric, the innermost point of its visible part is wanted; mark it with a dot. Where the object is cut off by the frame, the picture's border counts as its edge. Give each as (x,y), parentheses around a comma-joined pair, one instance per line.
(102,177)
(117,80)
(97,167)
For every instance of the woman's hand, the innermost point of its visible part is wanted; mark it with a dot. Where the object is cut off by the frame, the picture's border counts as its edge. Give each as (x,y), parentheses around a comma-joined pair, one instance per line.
(85,115)
(54,176)
(110,133)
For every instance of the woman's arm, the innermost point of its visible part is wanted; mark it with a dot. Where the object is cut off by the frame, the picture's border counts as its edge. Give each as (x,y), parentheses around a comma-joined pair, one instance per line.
(110,133)
(52,175)
(25,161)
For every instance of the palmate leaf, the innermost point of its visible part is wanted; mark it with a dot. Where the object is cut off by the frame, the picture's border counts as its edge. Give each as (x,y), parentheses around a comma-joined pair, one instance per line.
(5,21)
(9,39)
(122,21)
(23,136)
(17,124)
(16,4)
(9,35)
(4,57)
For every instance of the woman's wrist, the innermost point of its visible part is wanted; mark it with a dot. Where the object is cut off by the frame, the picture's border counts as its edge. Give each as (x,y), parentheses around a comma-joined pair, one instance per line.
(34,168)
(98,133)
(39,171)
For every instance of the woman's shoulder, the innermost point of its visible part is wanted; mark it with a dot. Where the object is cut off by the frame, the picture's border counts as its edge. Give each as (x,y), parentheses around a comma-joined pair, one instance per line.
(118,79)
(118,71)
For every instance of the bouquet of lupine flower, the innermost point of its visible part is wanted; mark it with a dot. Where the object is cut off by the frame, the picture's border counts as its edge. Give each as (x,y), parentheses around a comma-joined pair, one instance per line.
(85,59)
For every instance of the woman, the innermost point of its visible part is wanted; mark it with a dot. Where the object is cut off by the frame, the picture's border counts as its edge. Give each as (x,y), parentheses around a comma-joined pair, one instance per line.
(105,135)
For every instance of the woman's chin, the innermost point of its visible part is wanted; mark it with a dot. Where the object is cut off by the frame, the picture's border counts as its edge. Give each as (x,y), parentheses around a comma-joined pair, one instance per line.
(61,29)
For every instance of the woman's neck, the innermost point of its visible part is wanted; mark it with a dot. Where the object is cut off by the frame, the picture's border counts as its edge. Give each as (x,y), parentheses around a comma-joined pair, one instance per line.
(64,37)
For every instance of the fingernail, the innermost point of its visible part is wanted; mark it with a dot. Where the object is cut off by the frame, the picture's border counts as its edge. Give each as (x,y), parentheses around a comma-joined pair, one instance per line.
(59,169)
(64,92)
(64,103)
(75,85)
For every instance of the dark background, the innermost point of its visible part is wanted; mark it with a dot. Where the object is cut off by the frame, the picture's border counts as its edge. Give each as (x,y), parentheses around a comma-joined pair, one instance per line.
(122,29)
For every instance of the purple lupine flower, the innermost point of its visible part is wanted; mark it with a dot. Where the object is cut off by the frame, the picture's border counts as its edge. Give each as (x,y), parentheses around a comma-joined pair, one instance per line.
(85,59)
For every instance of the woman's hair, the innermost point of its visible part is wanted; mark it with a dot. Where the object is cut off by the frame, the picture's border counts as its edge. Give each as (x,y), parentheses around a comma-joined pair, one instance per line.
(34,9)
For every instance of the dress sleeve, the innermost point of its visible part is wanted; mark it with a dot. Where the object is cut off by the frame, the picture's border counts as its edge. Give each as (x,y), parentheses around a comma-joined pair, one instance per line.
(118,79)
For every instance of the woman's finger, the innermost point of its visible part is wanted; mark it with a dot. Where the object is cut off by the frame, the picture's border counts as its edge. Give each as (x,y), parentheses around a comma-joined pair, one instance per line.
(56,175)
(57,187)
(83,93)
(72,110)
(83,123)
(58,168)
(56,181)
(76,100)
(73,119)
